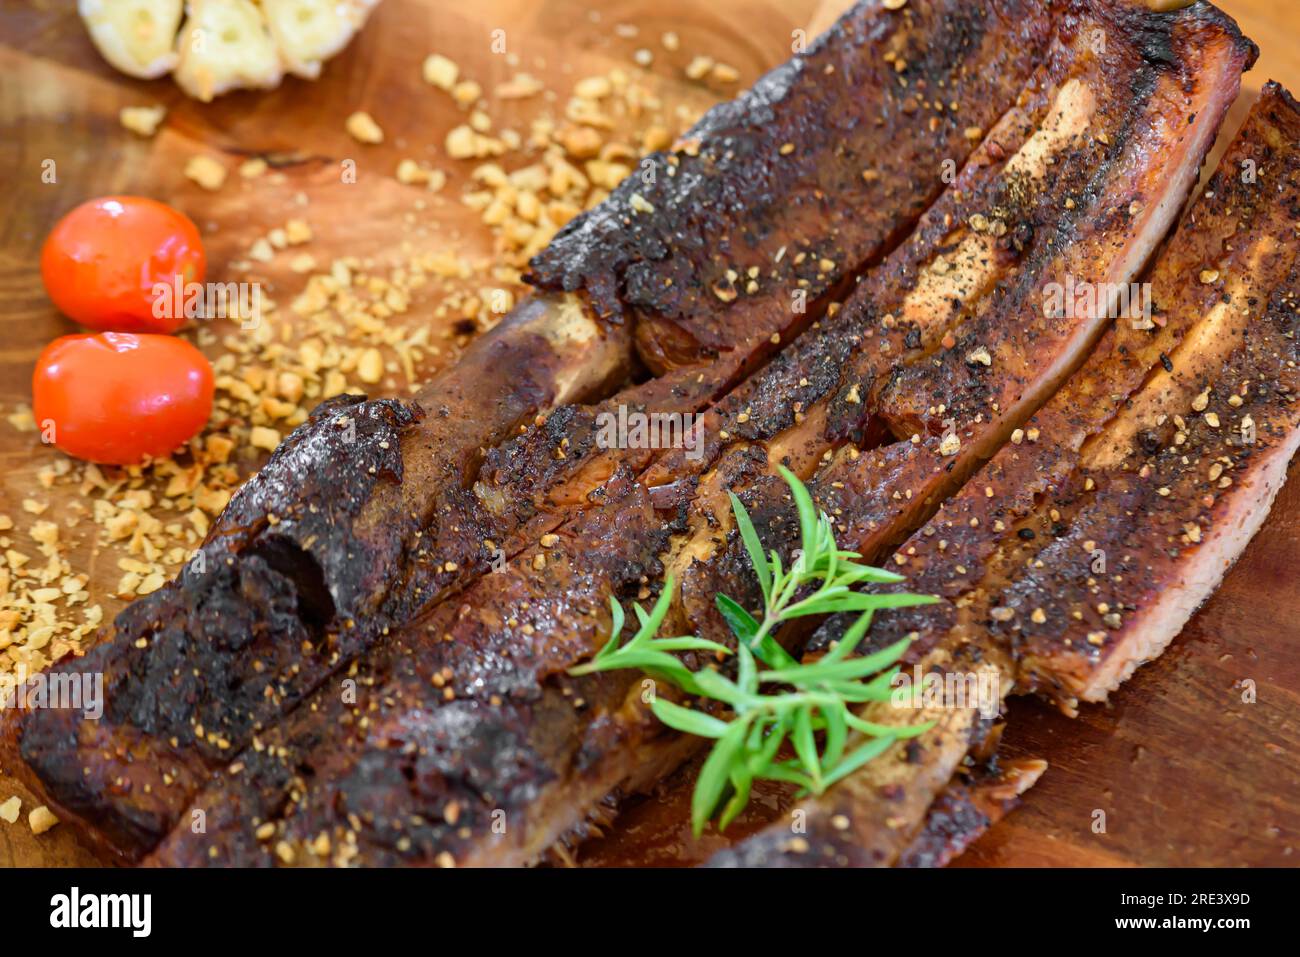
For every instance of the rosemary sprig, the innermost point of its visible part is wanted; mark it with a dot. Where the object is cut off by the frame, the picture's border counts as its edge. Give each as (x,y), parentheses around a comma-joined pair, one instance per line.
(808,705)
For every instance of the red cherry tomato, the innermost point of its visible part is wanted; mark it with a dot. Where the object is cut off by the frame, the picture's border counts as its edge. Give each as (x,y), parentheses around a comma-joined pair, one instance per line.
(116,398)
(102,261)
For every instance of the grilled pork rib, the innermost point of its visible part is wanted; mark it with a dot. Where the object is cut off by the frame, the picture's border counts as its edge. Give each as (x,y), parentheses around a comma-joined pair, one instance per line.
(375,510)
(967,807)
(1143,481)
(464,741)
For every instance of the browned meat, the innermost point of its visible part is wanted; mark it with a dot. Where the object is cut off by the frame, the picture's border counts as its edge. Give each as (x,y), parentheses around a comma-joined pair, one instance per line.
(655,830)
(467,743)
(373,511)
(798,184)
(1186,474)
(1111,521)
(969,806)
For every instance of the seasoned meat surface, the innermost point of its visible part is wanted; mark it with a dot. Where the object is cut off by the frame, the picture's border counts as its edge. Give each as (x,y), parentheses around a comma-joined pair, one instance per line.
(1124,154)
(1078,552)
(373,513)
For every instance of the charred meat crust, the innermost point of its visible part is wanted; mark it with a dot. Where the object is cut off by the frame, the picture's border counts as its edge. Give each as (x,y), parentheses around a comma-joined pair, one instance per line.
(936,392)
(302,580)
(1199,470)
(463,712)
(853,173)
(822,183)
(1019,564)
(973,801)
(277,573)
(602,732)
(425,536)
(588,731)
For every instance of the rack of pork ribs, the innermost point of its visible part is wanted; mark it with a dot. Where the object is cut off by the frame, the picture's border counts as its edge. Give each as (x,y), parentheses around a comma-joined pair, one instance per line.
(370,666)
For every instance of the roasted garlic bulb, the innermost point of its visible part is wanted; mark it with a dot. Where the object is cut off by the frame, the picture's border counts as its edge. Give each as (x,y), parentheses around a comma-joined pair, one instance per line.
(225,46)
(138,37)
(222,45)
(309,32)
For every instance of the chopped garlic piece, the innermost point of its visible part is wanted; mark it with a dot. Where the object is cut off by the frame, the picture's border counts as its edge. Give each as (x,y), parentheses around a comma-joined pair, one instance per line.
(41,820)
(206,171)
(361,126)
(440,72)
(263,437)
(141,120)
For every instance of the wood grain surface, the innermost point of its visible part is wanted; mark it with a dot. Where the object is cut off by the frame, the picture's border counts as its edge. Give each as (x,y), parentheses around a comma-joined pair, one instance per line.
(1184,769)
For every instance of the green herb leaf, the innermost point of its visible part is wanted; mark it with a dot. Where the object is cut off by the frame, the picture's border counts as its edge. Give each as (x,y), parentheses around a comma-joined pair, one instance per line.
(897,731)
(836,718)
(721,689)
(804,744)
(742,780)
(851,638)
(741,622)
(753,546)
(866,573)
(746,669)
(689,643)
(803,503)
(746,630)
(808,706)
(837,670)
(684,719)
(855,601)
(714,776)
(872,749)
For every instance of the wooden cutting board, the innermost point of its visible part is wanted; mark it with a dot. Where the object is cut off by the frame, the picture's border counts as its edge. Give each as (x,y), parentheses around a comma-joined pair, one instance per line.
(1185,771)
